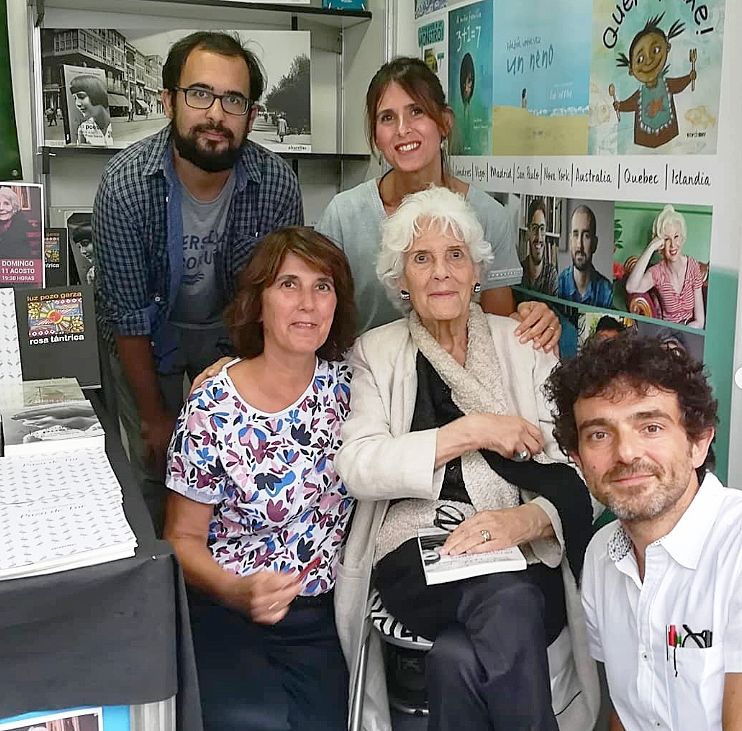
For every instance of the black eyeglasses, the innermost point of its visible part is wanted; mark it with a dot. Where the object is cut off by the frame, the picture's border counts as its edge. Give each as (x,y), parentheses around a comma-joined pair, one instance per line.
(198,98)
(448,518)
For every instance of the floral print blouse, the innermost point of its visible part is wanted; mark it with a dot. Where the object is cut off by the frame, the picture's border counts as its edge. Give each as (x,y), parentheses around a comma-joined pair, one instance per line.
(279,504)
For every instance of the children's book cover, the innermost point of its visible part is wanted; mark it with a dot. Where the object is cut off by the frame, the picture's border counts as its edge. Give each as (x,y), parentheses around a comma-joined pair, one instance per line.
(432,41)
(541,77)
(470,77)
(655,77)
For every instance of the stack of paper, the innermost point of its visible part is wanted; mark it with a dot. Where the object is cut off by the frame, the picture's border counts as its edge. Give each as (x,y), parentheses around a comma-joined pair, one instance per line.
(60,512)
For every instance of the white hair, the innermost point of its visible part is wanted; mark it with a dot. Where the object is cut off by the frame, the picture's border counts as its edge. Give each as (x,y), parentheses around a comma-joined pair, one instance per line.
(433,207)
(668,216)
(12,196)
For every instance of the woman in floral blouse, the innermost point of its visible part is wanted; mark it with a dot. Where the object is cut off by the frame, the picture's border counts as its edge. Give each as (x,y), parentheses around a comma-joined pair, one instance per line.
(257,511)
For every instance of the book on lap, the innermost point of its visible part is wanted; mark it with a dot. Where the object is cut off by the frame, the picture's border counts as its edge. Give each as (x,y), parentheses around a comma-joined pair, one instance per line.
(440,569)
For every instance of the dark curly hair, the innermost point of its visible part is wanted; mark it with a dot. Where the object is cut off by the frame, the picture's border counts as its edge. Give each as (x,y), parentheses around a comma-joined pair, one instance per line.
(243,314)
(629,362)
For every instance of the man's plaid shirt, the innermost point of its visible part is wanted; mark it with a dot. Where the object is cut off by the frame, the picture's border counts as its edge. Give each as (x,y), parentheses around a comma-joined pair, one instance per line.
(138,233)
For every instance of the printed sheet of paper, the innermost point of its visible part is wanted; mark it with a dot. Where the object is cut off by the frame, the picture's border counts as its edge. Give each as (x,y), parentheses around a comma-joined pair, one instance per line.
(10,354)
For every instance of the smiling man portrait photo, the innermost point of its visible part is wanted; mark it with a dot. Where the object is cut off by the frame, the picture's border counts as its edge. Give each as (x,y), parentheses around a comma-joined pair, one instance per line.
(582,282)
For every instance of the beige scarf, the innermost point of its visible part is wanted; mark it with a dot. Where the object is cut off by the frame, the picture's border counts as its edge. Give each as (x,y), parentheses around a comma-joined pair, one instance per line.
(476,387)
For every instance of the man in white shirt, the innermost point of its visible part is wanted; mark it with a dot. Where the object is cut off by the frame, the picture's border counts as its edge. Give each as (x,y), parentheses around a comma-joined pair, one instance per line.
(662,587)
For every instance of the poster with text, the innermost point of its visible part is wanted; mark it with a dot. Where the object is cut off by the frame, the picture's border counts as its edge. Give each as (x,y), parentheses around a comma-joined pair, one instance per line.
(432,44)
(541,75)
(470,78)
(423,7)
(21,235)
(655,77)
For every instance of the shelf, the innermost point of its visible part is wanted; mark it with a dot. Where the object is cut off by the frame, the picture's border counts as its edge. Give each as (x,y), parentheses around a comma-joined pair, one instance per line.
(49,151)
(259,13)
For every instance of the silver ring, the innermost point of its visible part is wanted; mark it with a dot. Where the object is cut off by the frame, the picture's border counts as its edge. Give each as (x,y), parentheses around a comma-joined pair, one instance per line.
(523,456)
(550,327)
(485,535)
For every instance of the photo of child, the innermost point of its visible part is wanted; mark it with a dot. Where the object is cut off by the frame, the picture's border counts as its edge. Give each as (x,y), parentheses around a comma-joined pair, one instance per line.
(88,119)
(80,233)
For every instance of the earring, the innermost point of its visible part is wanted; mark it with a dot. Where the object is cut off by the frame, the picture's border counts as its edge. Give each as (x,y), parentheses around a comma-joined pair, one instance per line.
(404,295)
(477,288)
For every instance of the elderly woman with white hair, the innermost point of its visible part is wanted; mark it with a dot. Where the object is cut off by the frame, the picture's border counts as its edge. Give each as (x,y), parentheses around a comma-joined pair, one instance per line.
(677,278)
(19,239)
(448,423)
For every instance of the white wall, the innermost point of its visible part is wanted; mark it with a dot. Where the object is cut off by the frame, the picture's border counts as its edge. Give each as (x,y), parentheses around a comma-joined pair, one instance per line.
(21,65)
(726,210)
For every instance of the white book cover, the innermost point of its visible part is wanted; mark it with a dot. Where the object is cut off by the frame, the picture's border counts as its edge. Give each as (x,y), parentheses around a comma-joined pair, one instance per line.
(440,569)
(51,427)
(60,512)
(57,476)
(10,354)
(35,393)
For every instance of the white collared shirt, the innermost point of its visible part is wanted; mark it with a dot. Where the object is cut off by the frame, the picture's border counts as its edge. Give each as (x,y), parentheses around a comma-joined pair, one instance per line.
(693,577)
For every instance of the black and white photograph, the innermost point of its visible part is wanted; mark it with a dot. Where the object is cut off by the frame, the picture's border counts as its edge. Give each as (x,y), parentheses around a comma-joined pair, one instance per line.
(80,242)
(88,719)
(86,113)
(84,67)
(50,427)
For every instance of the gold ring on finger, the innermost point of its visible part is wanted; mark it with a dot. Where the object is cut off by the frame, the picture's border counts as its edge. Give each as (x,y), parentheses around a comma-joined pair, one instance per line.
(485,535)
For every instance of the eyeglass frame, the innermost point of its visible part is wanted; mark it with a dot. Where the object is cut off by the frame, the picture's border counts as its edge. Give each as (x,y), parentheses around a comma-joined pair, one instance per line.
(448,518)
(214,96)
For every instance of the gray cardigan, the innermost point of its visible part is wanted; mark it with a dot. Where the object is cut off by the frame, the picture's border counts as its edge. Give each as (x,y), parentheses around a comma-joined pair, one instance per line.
(382,460)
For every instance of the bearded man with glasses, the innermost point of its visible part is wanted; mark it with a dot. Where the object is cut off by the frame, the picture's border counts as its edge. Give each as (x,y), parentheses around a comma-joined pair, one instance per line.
(538,273)
(175,218)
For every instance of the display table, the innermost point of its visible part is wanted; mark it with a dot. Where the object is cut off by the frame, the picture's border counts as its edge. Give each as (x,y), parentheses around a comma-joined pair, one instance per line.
(112,634)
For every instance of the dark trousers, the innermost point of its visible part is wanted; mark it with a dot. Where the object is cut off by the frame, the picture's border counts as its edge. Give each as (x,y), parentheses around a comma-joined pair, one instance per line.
(290,676)
(488,668)
(199,349)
